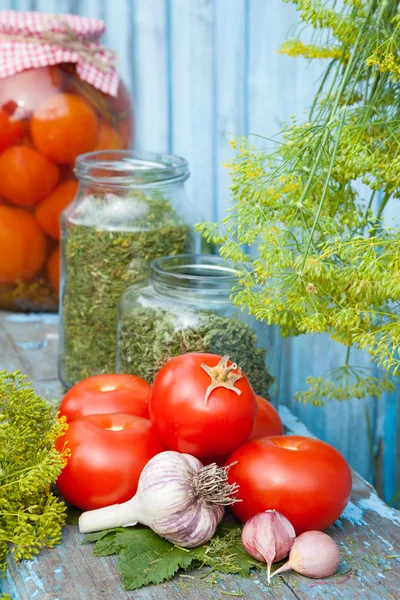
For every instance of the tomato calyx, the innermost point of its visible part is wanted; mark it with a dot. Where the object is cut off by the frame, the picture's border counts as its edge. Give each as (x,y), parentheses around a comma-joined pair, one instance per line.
(222,376)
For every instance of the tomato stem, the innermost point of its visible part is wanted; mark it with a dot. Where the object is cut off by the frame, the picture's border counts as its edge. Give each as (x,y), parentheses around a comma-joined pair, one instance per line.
(222,376)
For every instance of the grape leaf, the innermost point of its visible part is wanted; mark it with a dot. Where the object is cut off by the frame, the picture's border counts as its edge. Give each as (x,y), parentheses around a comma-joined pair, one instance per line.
(98,535)
(151,559)
(106,546)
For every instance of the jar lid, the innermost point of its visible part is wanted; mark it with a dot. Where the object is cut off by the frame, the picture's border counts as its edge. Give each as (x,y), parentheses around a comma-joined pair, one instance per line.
(194,272)
(130,168)
(34,39)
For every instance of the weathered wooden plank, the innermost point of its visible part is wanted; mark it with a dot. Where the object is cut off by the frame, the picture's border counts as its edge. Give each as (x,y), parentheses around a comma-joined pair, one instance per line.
(10,358)
(119,35)
(192,56)
(52,6)
(335,422)
(230,92)
(71,572)
(30,344)
(147,53)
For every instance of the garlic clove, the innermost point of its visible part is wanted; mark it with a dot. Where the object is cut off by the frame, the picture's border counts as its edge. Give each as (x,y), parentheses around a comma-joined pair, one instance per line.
(268,537)
(313,554)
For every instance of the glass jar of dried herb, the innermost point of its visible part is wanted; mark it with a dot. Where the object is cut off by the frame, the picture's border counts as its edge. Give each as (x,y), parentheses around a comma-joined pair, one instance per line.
(185,306)
(131,208)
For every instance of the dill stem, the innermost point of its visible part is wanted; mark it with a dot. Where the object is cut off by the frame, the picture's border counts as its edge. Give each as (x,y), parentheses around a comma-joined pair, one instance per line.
(332,114)
(347,356)
(382,205)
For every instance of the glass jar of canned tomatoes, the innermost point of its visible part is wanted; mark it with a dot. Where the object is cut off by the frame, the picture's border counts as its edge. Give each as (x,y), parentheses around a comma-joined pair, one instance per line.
(74,103)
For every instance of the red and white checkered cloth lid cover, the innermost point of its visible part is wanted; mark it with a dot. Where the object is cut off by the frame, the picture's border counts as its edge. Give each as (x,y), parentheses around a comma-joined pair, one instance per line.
(18,55)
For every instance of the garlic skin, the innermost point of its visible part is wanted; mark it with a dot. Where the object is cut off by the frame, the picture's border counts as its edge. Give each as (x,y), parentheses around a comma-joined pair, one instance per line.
(313,554)
(268,537)
(177,497)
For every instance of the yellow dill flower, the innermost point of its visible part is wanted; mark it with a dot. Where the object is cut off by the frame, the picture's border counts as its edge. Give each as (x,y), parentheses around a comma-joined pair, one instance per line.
(297,48)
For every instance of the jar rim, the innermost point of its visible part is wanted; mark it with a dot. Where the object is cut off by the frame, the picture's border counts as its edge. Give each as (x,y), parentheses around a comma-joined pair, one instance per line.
(131,167)
(194,271)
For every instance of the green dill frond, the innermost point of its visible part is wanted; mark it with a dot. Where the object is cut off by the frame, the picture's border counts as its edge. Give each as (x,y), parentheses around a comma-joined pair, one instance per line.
(321,258)
(345,383)
(31,517)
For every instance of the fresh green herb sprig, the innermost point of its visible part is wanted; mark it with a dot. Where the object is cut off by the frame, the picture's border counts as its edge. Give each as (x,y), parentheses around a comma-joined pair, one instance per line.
(323,260)
(145,558)
(149,337)
(31,517)
(99,265)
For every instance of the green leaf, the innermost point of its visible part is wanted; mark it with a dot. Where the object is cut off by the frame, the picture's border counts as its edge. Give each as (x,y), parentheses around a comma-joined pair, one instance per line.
(129,535)
(106,546)
(98,535)
(151,559)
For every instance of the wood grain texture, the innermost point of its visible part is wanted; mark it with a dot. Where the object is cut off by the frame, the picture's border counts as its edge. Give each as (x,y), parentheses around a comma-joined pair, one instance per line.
(201,70)
(368,532)
(29,343)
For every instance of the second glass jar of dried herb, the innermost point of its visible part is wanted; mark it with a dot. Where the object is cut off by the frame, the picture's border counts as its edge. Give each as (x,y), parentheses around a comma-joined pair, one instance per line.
(186,307)
(131,208)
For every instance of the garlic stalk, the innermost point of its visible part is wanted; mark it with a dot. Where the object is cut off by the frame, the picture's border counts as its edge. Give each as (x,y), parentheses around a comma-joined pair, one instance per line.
(268,537)
(313,554)
(177,497)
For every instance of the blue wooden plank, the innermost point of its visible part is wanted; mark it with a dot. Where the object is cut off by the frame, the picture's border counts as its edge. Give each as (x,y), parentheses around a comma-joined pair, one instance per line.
(96,9)
(52,6)
(229,93)
(390,444)
(118,18)
(145,52)
(337,422)
(168,35)
(192,97)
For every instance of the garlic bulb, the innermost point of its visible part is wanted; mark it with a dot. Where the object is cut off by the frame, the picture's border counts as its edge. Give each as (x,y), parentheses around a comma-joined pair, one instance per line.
(313,554)
(177,497)
(268,537)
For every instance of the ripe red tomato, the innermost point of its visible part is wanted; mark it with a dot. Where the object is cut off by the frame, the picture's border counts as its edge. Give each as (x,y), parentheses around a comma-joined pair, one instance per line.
(108,454)
(64,126)
(11,132)
(26,176)
(186,422)
(102,394)
(306,480)
(268,421)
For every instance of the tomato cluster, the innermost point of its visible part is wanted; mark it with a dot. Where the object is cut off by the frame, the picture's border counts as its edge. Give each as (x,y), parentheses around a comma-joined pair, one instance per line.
(48,116)
(200,404)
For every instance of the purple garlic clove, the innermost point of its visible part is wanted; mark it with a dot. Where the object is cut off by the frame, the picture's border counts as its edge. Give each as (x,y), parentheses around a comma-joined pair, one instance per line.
(268,537)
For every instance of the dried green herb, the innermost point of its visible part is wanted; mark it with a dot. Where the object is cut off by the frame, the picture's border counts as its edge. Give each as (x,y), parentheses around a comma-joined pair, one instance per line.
(149,337)
(99,265)
(23,296)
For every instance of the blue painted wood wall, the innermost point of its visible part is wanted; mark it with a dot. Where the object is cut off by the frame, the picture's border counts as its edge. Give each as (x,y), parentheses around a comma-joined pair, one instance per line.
(200,71)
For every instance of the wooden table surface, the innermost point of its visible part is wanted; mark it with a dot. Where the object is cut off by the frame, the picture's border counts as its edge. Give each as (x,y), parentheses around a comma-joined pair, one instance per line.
(368,532)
